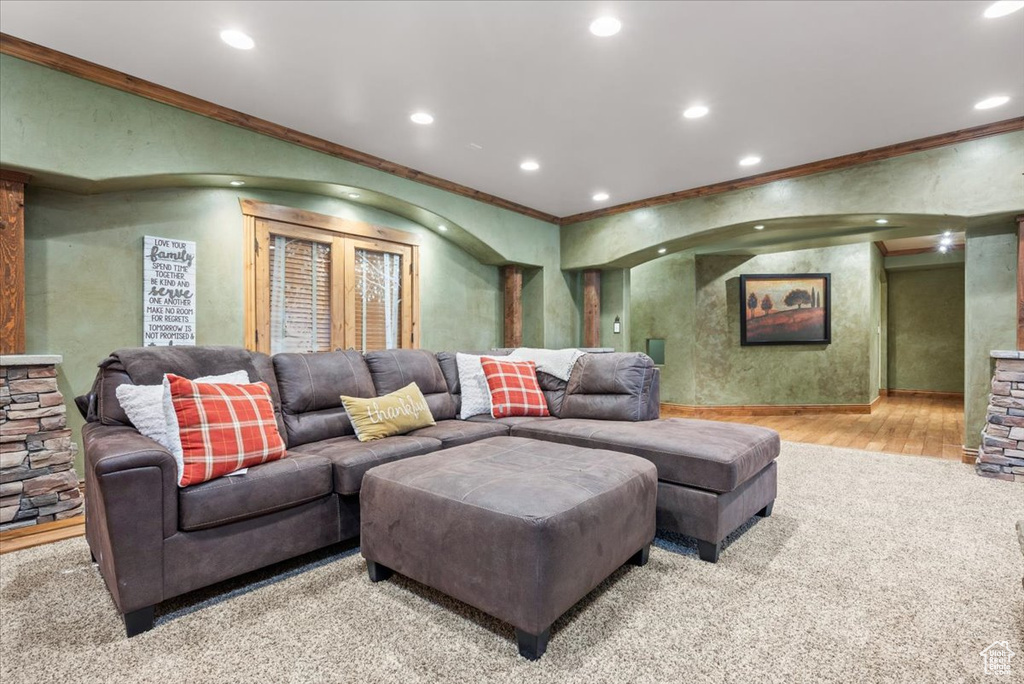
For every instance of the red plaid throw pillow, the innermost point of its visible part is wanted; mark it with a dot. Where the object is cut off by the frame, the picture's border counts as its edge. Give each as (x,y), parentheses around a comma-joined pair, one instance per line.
(223,428)
(514,388)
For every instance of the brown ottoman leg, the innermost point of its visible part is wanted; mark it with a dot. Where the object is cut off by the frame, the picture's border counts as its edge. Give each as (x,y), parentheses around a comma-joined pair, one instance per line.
(708,551)
(532,646)
(377,571)
(641,556)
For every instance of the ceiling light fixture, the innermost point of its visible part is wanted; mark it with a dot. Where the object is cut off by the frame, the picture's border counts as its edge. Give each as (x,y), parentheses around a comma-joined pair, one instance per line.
(443,229)
(605,26)
(991,102)
(881,222)
(237,183)
(946,241)
(662,250)
(943,248)
(422,118)
(354,195)
(750,161)
(529,165)
(948,233)
(600,196)
(1003,7)
(237,39)
(759,226)
(696,111)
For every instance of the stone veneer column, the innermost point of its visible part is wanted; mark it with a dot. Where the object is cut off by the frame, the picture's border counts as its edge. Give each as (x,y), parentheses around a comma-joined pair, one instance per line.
(37,480)
(1002,440)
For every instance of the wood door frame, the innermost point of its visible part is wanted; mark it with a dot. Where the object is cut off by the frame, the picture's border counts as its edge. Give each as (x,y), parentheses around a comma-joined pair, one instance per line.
(338,232)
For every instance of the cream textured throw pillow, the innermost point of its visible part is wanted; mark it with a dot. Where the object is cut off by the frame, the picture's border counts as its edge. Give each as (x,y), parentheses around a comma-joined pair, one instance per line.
(144,405)
(476,395)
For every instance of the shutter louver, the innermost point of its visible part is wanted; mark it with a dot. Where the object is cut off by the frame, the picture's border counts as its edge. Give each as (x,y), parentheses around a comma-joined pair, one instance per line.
(300,295)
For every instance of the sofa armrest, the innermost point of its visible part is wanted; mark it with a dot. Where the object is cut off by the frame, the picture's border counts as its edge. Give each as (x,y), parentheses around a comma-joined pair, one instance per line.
(132,501)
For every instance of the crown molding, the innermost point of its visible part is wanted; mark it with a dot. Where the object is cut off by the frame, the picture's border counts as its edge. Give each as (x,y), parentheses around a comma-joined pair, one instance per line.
(60,61)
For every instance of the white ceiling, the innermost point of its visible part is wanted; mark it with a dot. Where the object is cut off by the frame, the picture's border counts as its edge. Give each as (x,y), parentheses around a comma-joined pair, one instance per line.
(793,82)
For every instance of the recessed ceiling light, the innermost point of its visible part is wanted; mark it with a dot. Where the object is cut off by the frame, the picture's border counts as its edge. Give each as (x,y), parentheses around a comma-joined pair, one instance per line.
(605,26)
(1003,7)
(759,226)
(948,233)
(600,196)
(354,195)
(881,221)
(990,102)
(443,229)
(943,248)
(237,39)
(946,241)
(662,250)
(529,165)
(237,183)
(475,146)
(422,118)
(750,161)
(696,111)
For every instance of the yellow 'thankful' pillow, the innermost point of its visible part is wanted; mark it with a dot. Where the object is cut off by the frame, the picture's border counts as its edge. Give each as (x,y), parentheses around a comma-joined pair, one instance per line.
(401,411)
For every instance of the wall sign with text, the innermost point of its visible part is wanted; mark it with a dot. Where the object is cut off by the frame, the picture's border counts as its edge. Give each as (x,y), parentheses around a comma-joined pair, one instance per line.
(168,292)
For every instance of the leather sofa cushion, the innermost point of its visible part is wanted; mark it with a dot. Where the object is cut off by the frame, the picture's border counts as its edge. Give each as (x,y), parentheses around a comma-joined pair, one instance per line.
(393,369)
(697,453)
(614,386)
(311,386)
(351,458)
(456,432)
(511,421)
(263,489)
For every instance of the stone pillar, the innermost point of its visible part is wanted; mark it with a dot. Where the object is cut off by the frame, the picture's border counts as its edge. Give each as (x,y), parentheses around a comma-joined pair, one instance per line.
(1002,440)
(38,483)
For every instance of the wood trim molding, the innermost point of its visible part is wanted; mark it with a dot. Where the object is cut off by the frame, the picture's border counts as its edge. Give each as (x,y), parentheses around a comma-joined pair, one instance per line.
(15,176)
(921,250)
(969,456)
(592,308)
(44,56)
(12,266)
(833,164)
(90,71)
(311,219)
(932,394)
(693,411)
(882,248)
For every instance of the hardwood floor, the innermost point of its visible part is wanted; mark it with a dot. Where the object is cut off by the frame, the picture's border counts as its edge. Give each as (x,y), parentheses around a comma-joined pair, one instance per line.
(918,425)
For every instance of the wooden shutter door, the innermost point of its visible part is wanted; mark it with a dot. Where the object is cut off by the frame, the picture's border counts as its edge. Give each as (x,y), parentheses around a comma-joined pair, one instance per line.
(378,295)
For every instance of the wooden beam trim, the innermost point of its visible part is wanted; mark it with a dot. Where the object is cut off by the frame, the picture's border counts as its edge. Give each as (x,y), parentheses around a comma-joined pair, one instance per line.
(592,308)
(90,71)
(882,248)
(512,335)
(15,176)
(1020,282)
(336,224)
(833,164)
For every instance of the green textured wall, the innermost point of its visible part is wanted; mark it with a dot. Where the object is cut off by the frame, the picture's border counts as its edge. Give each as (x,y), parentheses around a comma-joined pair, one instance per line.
(990,311)
(926,329)
(662,306)
(615,295)
(838,373)
(84,272)
(878,352)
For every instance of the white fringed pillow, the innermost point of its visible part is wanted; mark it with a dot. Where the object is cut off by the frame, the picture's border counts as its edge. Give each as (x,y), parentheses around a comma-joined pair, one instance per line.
(144,406)
(476,395)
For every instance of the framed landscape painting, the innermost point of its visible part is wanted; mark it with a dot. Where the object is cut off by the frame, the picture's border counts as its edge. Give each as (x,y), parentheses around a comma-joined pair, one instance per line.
(785,309)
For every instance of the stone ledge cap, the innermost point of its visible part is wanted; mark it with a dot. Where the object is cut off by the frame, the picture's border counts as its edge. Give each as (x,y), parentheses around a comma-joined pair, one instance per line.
(30,359)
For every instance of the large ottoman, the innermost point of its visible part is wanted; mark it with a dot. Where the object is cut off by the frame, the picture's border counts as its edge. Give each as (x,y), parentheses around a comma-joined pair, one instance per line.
(517,528)
(713,476)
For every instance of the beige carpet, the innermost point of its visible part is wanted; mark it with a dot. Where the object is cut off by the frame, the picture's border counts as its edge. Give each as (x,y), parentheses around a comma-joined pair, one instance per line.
(873,568)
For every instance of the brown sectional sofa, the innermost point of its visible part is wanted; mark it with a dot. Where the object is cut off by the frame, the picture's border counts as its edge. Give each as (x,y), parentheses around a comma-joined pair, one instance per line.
(153,541)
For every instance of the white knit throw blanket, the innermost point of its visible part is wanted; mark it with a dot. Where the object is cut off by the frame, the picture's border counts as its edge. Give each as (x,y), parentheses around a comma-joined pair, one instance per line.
(556,362)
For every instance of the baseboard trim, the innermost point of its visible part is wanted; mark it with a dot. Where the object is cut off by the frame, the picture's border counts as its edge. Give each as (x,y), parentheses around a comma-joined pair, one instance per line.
(44,533)
(690,411)
(968,455)
(931,394)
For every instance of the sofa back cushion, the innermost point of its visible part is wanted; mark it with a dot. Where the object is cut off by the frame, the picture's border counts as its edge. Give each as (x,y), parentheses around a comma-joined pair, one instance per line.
(147,366)
(614,386)
(393,369)
(311,386)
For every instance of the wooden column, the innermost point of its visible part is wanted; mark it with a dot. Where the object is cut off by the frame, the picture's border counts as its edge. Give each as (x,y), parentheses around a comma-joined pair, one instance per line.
(592,308)
(12,262)
(512,276)
(1020,282)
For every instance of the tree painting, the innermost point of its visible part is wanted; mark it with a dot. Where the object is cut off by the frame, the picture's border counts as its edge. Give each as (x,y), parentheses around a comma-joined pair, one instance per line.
(794,309)
(799,299)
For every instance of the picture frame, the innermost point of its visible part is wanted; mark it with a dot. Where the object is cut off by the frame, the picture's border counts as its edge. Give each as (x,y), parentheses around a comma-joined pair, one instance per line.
(785,309)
